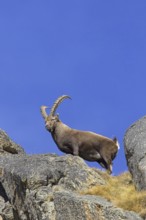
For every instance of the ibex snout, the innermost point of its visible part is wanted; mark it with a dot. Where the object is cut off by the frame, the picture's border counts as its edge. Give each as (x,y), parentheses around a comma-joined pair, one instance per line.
(51,122)
(48,127)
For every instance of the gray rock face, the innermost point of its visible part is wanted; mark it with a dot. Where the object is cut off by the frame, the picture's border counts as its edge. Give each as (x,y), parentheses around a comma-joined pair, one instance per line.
(135,150)
(71,206)
(46,187)
(30,181)
(7,146)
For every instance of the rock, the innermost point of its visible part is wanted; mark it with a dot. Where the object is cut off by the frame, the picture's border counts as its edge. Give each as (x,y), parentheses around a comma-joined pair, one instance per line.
(28,180)
(71,206)
(135,150)
(6,210)
(7,146)
(47,187)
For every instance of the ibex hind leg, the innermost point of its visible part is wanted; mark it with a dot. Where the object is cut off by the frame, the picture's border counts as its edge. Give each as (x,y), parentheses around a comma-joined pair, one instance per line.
(109,169)
(102,163)
(108,165)
(94,156)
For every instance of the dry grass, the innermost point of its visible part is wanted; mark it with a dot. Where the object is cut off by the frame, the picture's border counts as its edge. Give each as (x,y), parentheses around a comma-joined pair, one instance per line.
(121,191)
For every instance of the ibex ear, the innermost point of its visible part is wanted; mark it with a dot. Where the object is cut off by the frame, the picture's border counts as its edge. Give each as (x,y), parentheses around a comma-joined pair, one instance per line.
(57,116)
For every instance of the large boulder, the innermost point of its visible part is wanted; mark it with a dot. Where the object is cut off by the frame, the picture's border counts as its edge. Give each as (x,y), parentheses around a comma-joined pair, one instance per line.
(135,150)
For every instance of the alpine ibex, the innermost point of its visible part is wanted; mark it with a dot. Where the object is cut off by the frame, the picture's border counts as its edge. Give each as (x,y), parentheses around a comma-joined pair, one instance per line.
(88,145)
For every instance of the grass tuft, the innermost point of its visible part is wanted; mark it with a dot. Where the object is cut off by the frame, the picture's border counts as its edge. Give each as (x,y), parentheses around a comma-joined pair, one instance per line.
(121,191)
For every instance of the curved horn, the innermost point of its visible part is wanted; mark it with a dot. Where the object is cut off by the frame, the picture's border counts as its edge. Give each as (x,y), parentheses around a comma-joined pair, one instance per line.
(43,111)
(57,102)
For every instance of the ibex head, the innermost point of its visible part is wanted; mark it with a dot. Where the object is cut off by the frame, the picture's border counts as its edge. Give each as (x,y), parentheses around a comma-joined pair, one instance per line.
(52,119)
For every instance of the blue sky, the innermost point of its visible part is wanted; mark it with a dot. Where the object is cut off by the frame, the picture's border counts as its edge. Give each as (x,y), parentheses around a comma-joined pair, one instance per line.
(94,51)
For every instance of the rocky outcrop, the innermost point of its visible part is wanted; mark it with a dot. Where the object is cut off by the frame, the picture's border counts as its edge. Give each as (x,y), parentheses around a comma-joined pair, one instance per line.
(135,150)
(7,146)
(47,187)
(72,206)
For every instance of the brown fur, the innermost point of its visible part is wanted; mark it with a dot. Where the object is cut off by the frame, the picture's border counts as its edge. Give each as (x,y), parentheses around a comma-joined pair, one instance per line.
(88,145)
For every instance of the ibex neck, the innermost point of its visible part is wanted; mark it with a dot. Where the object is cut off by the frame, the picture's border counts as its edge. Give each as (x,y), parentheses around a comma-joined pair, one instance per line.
(59,131)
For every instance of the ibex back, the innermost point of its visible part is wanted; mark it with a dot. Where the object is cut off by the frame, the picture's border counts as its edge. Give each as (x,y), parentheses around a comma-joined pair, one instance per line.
(88,145)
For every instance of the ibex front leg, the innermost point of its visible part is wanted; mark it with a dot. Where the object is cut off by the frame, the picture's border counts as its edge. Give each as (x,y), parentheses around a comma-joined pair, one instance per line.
(76,150)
